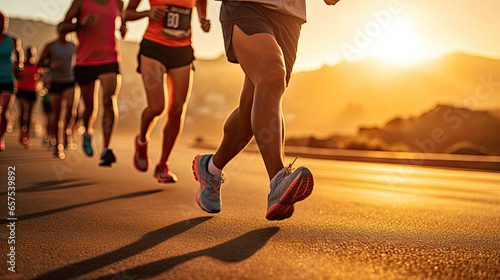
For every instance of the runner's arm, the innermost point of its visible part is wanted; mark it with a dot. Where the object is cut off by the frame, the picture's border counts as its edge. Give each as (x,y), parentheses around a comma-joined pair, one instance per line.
(331,2)
(44,60)
(201,7)
(121,13)
(68,25)
(131,12)
(18,51)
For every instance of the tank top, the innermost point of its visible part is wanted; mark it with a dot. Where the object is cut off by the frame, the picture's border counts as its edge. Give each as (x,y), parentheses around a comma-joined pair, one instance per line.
(28,77)
(6,48)
(97,42)
(175,29)
(62,55)
(296,8)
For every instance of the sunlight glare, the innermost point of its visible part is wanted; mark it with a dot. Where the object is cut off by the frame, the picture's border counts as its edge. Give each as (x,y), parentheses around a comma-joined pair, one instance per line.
(398,44)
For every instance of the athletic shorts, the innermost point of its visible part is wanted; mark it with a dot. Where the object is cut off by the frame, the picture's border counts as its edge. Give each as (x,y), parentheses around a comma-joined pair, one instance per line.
(7,87)
(26,94)
(170,57)
(87,74)
(59,88)
(254,18)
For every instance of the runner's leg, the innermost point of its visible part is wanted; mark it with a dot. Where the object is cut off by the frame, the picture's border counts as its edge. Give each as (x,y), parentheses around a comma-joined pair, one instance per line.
(111,83)
(262,61)
(153,78)
(179,87)
(237,128)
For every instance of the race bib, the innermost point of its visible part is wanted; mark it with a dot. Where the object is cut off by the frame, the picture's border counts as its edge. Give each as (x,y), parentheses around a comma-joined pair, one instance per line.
(177,22)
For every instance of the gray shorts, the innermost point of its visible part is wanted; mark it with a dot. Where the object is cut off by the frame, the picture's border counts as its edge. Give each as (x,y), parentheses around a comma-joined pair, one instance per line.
(254,18)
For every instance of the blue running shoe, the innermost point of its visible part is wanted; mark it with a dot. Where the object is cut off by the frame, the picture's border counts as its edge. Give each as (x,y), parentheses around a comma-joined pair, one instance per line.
(208,196)
(288,187)
(87,144)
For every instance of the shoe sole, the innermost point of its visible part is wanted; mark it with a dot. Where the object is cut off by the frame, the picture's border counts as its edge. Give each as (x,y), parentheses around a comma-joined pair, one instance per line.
(196,177)
(106,162)
(171,180)
(299,190)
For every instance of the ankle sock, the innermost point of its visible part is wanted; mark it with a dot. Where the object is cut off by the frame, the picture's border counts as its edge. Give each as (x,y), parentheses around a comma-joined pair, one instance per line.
(212,169)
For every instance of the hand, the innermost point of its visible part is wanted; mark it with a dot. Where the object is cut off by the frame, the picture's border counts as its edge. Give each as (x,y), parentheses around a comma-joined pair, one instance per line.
(205,24)
(157,13)
(123,30)
(331,2)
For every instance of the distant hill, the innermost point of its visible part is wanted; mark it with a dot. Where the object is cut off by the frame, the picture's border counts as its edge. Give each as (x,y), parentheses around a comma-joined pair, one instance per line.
(343,97)
(443,129)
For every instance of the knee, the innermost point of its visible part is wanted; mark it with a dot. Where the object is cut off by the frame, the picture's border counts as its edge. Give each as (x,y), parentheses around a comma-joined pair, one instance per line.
(176,111)
(156,109)
(273,77)
(109,102)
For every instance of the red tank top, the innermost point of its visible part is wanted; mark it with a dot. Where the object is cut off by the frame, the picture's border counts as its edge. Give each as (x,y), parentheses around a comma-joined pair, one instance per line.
(28,77)
(175,29)
(97,42)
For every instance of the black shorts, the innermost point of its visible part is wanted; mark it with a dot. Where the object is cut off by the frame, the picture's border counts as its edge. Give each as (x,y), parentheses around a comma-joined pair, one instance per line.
(26,94)
(9,87)
(254,18)
(85,75)
(170,57)
(59,88)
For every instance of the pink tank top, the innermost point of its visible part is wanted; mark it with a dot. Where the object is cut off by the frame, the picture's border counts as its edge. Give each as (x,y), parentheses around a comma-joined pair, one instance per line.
(97,42)
(175,29)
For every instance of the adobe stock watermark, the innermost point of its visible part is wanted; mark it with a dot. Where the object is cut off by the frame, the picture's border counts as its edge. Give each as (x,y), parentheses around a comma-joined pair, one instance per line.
(454,117)
(365,36)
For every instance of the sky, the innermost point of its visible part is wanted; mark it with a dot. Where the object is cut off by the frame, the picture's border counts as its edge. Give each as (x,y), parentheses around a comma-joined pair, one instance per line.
(395,31)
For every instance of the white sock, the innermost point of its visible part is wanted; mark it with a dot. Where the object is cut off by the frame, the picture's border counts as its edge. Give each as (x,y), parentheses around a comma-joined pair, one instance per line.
(212,169)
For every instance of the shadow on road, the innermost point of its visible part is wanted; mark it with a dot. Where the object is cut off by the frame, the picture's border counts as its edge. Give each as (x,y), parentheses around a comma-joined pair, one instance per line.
(234,250)
(67,208)
(54,185)
(146,242)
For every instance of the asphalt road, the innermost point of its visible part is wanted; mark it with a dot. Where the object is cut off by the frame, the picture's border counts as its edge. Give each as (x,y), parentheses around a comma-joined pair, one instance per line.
(76,220)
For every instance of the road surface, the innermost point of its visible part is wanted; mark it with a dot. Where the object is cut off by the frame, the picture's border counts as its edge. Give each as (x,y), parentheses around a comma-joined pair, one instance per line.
(76,220)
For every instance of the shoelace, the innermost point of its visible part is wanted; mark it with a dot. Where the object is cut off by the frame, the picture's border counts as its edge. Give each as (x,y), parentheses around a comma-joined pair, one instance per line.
(215,185)
(288,171)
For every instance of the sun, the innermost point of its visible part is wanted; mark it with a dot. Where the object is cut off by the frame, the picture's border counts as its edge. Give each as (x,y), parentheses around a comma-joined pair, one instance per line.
(398,44)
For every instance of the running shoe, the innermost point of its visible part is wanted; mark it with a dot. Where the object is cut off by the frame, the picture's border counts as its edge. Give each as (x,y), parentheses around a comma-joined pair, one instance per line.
(107,158)
(164,175)
(208,196)
(87,144)
(22,135)
(46,141)
(141,158)
(287,187)
(23,138)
